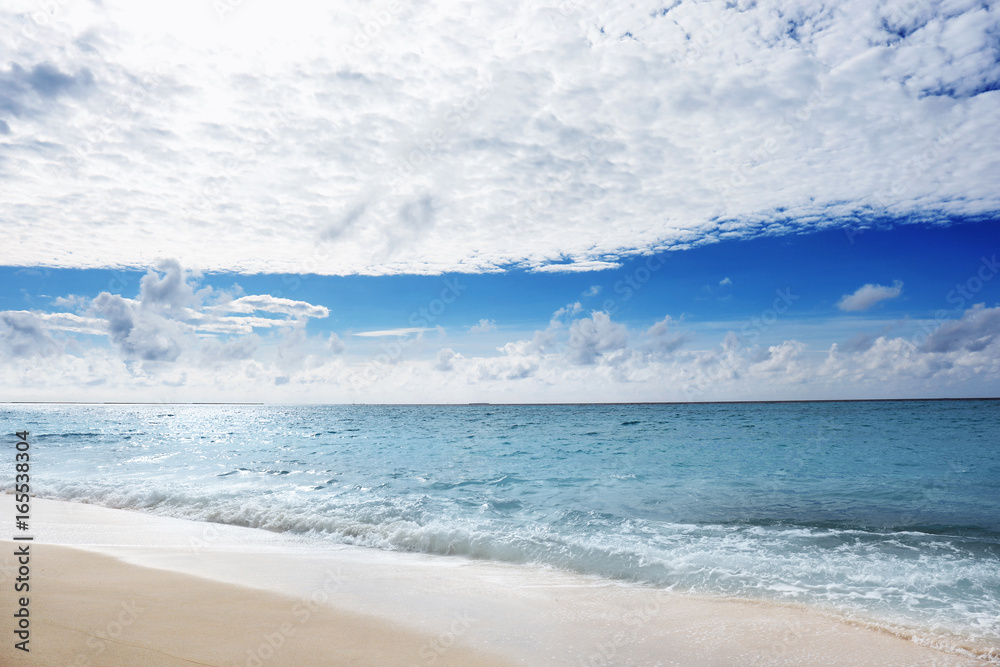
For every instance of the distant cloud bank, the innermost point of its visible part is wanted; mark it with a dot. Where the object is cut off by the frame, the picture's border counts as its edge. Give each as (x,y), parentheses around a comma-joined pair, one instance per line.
(180,340)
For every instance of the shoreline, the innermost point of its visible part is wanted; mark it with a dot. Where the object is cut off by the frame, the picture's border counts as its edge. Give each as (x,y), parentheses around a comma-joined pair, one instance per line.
(93,609)
(424,607)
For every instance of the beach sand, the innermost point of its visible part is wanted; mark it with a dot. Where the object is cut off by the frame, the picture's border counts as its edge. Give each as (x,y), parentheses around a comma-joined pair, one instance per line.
(114,587)
(90,609)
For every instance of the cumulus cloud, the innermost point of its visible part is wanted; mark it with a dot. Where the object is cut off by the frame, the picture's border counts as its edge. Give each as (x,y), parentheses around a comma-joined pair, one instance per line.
(156,355)
(567,311)
(725,282)
(593,337)
(335,344)
(954,356)
(167,320)
(867,296)
(140,334)
(595,358)
(445,359)
(167,287)
(975,331)
(565,141)
(483,326)
(662,338)
(783,360)
(23,334)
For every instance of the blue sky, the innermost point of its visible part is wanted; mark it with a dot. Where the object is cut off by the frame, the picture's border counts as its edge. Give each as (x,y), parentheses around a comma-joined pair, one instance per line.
(720,201)
(752,295)
(819,268)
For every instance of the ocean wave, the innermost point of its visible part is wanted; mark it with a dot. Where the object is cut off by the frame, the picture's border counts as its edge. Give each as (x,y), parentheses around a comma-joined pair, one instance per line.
(835,506)
(909,582)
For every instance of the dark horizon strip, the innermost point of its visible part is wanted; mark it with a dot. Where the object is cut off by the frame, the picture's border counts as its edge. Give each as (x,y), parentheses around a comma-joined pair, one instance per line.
(795,400)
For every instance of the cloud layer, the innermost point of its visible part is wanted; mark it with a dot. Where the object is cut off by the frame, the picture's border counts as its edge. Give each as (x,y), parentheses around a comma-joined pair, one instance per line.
(387,138)
(172,323)
(179,341)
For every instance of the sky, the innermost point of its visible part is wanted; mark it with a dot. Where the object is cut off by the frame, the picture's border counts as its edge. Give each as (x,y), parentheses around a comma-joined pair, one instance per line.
(575,201)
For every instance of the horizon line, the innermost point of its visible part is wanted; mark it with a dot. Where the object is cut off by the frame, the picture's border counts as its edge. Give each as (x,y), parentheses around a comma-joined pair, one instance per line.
(485,404)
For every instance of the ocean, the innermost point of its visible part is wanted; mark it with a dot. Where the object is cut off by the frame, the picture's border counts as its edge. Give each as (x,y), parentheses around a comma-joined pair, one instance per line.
(884,512)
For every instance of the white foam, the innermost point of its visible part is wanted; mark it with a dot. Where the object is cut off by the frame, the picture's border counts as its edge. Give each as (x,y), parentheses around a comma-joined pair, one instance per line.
(865,576)
(538,615)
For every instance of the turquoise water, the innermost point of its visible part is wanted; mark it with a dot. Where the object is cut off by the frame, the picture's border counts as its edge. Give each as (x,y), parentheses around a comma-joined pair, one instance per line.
(884,511)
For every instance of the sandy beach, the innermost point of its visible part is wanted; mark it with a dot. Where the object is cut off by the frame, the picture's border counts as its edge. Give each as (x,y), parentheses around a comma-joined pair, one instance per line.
(115,587)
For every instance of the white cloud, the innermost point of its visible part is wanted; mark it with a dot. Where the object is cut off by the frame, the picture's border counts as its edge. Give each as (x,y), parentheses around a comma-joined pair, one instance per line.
(156,356)
(532,136)
(168,323)
(725,282)
(23,334)
(65,322)
(216,353)
(593,290)
(141,334)
(214,324)
(977,330)
(592,337)
(567,311)
(445,359)
(483,326)
(579,266)
(403,331)
(335,344)
(661,337)
(957,357)
(169,286)
(271,304)
(867,296)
